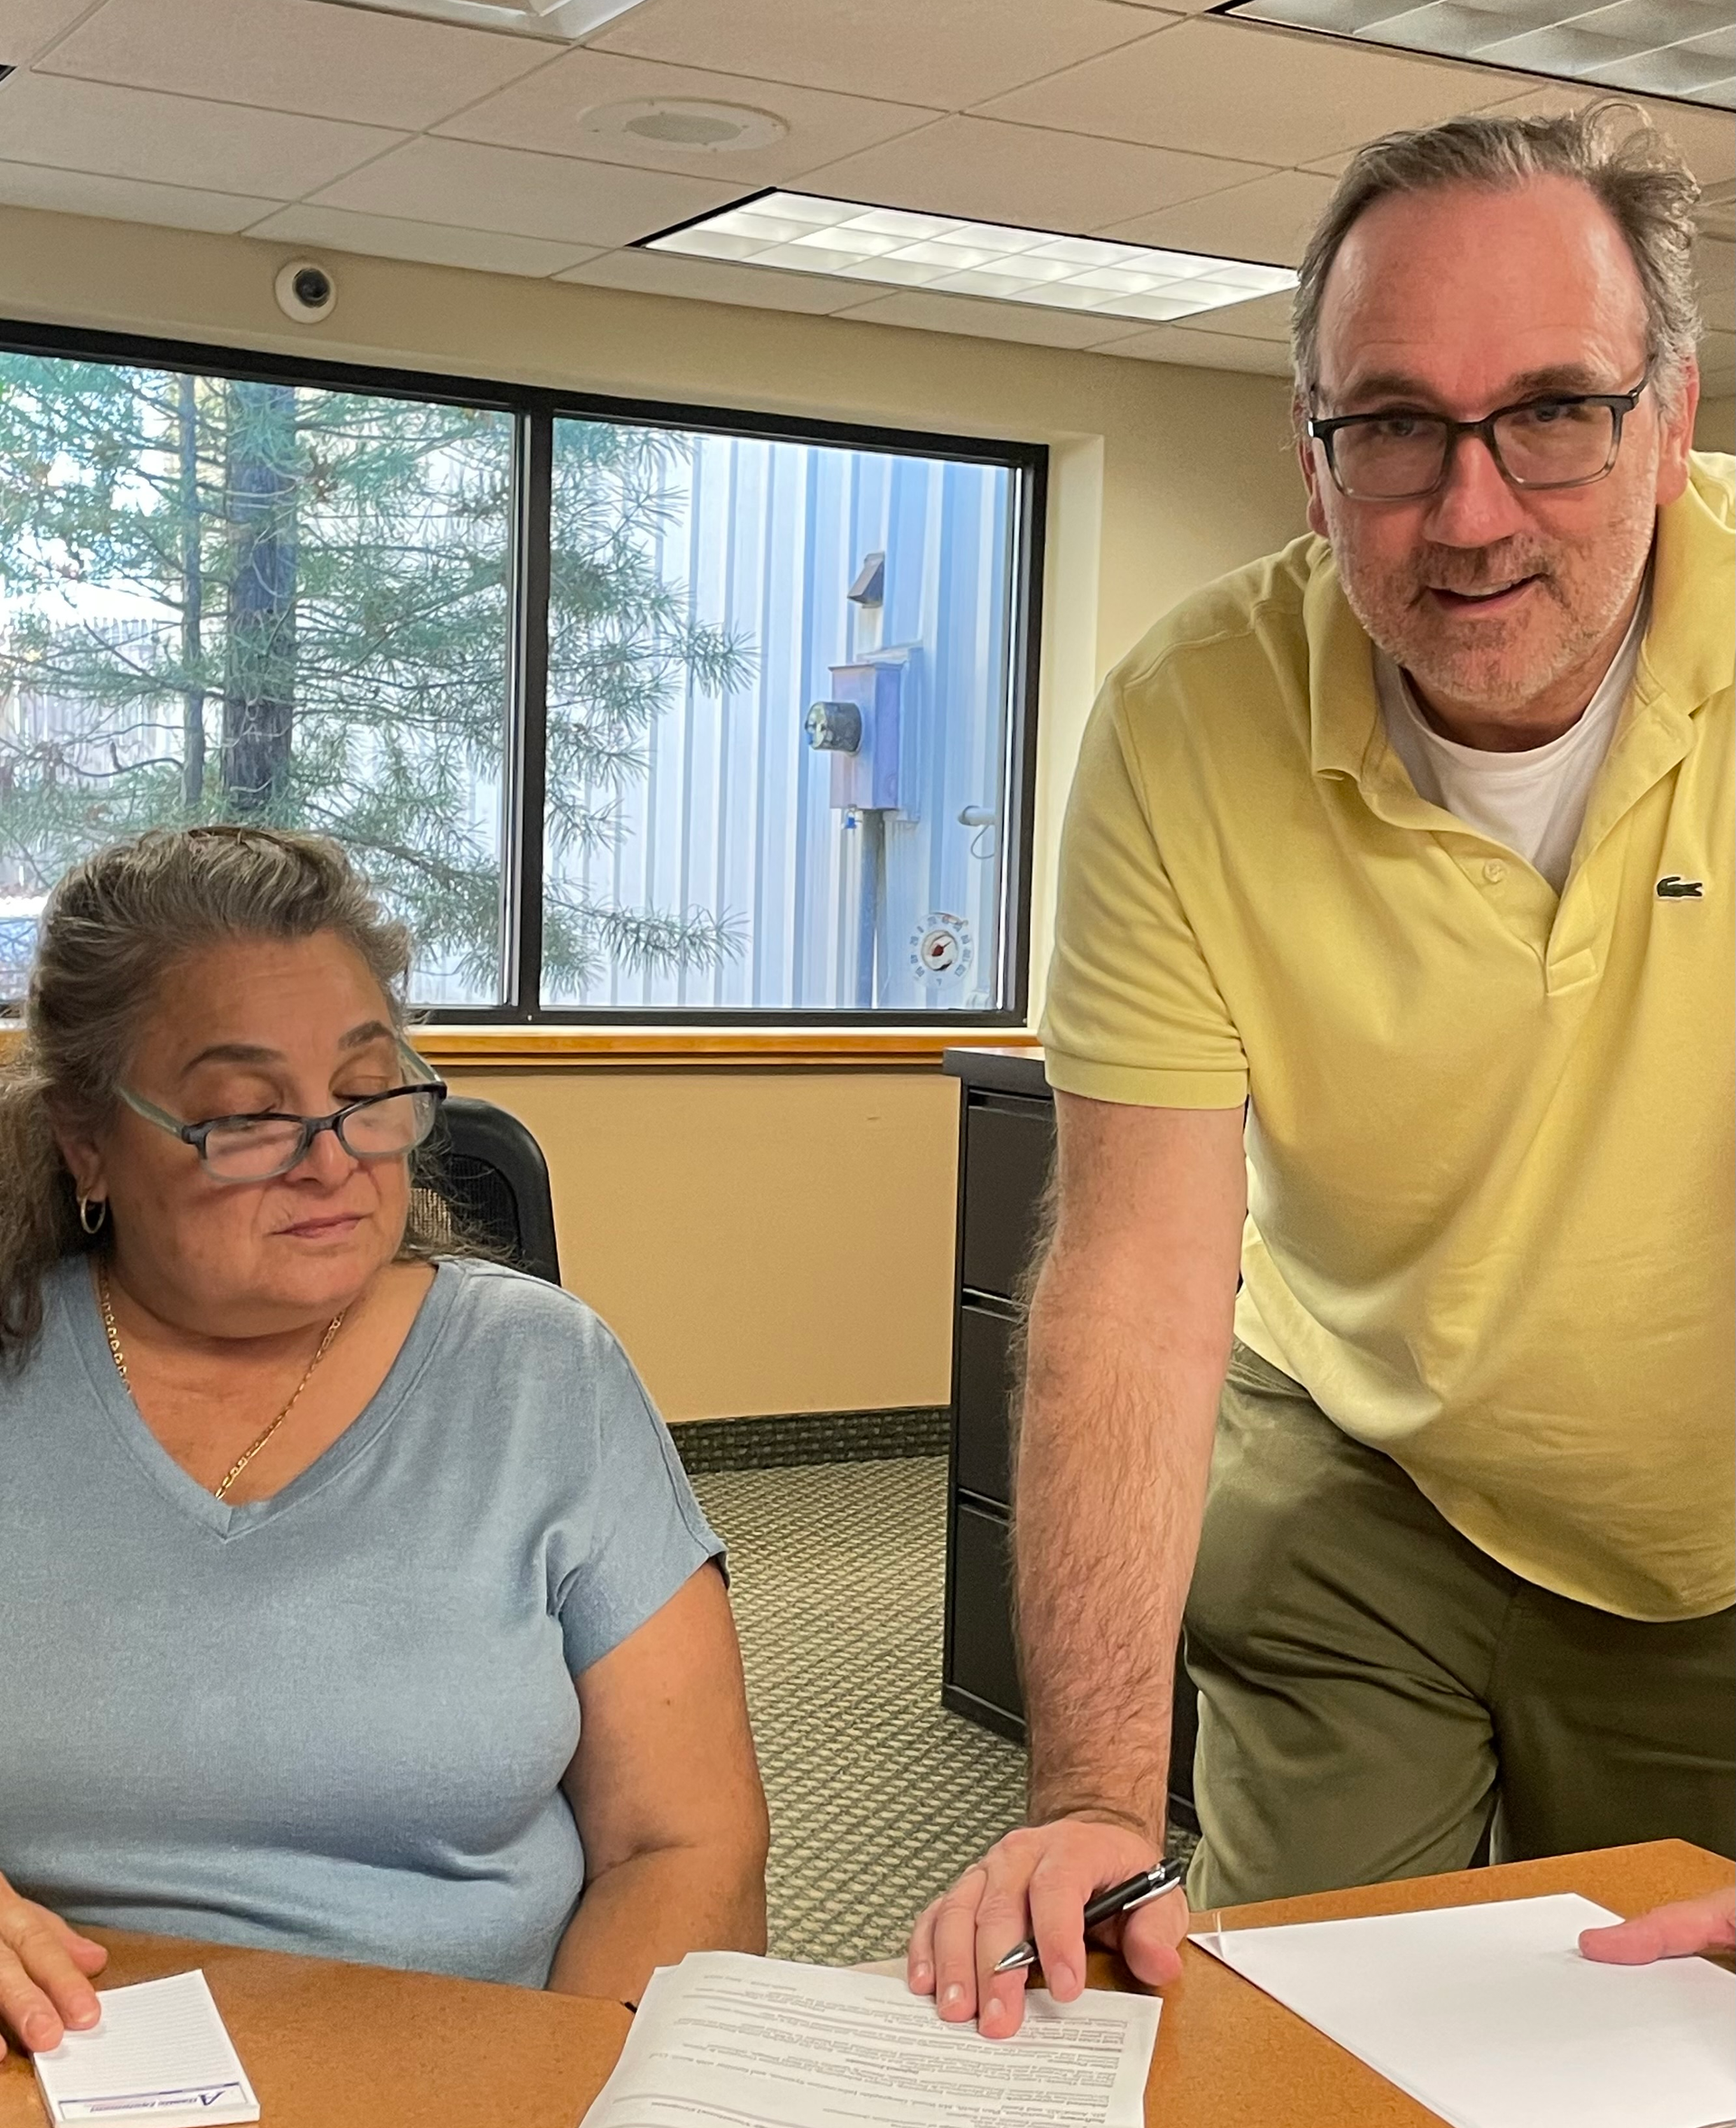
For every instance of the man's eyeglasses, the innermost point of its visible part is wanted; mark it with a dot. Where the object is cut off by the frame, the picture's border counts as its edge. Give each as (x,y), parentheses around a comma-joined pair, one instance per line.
(253,1148)
(1567,440)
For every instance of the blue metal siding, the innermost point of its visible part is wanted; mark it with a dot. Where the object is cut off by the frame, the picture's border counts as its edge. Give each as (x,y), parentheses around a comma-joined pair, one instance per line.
(734,817)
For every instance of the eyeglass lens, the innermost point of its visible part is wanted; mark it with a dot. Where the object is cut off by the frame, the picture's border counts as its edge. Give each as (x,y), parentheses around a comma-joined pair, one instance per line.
(1541,446)
(250,1151)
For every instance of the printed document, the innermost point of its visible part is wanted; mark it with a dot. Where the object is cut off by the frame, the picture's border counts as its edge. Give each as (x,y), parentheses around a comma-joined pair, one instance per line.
(723,2040)
(158,2053)
(1489,2015)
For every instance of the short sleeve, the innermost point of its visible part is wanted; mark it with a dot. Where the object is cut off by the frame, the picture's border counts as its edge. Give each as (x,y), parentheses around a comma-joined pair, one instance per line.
(1133,1013)
(637,1534)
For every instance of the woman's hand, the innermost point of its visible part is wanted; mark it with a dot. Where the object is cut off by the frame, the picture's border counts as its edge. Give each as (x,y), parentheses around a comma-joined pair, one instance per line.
(45,1966)
(1706,1924)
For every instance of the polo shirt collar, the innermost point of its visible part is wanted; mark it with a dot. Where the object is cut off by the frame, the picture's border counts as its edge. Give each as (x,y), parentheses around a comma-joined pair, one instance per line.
(1344,710)
(1691,645)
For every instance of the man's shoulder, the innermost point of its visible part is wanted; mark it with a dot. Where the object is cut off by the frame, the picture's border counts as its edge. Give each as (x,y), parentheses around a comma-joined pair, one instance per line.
(1234,650)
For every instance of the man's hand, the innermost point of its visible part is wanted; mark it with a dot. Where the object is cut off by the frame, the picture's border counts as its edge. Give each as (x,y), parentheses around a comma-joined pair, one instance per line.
(45,1969)
(1707,1924)
(1035,1883)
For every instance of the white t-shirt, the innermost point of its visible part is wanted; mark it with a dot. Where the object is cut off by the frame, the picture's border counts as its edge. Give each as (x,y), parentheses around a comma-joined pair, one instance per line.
(1533,801)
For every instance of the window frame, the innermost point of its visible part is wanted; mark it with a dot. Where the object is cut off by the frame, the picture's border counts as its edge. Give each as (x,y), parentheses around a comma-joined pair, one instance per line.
(534,410)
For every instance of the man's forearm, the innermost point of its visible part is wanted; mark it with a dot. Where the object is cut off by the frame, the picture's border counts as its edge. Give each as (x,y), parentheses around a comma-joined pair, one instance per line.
(654,1907)
(1114,1452)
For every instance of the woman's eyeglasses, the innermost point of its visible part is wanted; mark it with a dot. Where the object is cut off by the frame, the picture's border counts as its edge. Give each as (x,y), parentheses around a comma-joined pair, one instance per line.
(253,1148)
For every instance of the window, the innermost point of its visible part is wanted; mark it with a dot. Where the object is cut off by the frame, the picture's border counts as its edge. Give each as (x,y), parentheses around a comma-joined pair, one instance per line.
(628,713)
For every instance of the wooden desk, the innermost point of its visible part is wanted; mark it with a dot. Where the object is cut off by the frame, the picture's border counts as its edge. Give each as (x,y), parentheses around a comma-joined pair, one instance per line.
(330,2046)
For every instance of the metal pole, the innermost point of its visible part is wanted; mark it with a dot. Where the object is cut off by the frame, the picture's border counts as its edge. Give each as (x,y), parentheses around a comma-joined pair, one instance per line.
(872,843)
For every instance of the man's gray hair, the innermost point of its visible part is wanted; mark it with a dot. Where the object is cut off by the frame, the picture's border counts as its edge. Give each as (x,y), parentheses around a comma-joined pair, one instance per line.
(1609,148)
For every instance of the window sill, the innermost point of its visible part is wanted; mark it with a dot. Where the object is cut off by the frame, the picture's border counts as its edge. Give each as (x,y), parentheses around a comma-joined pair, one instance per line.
(702,1048)
(481,1049)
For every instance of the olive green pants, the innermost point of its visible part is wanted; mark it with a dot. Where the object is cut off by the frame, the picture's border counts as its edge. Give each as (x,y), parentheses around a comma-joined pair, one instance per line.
(1377,1695)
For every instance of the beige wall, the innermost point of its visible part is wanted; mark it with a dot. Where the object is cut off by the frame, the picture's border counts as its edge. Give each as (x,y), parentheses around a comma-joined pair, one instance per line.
(1714,426)
(763,1241)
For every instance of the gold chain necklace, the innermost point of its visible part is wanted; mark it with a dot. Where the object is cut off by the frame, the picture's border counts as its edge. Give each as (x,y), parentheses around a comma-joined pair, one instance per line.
(242,1461)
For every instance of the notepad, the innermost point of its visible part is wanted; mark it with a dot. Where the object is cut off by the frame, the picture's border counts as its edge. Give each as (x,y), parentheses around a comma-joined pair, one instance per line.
(159,2053)
(723,2040)
(1489,2016)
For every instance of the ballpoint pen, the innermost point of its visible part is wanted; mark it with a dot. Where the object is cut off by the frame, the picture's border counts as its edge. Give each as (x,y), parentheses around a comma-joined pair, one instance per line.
(1120,1898)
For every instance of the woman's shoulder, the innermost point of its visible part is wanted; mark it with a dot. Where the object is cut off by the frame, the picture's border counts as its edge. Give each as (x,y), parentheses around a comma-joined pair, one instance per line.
(516,1322)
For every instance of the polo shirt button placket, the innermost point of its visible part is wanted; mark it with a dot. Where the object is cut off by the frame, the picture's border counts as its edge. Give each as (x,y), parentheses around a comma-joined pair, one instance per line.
(1494,871)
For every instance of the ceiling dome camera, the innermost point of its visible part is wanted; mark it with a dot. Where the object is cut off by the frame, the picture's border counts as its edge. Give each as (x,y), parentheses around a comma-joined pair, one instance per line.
(306,291)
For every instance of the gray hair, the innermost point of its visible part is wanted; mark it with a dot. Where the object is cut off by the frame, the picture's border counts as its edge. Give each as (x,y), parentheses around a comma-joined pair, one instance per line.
(1610,147)
(113,929)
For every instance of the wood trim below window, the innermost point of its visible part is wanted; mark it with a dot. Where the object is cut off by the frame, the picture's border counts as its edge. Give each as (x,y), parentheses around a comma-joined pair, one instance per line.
(487,1048)
(700,1048)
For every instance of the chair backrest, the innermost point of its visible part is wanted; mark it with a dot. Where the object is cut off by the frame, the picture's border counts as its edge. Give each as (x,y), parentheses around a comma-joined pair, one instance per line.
(488,1168)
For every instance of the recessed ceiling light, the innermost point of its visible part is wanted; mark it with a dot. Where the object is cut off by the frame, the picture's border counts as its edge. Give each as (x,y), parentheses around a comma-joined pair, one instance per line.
(667,121)
(1684,49)
(801,234)
(565,19)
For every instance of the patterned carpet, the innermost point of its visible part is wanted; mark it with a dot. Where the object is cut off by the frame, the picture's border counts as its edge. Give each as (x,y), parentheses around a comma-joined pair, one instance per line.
(879,1796)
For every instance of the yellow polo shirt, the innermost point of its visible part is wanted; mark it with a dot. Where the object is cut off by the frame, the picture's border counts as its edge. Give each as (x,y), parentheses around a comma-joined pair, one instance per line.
(1490,1131)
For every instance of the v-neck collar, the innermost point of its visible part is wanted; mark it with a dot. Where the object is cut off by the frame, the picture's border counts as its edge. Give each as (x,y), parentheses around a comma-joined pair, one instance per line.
(78,1296)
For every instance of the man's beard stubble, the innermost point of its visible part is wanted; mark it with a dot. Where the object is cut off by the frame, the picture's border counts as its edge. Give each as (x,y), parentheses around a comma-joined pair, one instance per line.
(1499,665)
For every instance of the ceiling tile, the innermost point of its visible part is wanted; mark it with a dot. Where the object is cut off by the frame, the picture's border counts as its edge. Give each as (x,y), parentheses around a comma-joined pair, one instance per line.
(27,27)
(1235,89)
(177,139)
(295,55)
(545,112)
(1718,365)
(1270,219)
(991,321)
(1211,351)
(1023,175)
(944,54)
(125,199)
(469,186)
(1715,269)
(1266,318)
(385,236)
(712,280)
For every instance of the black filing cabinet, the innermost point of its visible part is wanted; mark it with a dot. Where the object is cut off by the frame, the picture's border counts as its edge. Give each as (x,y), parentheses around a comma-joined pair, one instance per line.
(1006,1123)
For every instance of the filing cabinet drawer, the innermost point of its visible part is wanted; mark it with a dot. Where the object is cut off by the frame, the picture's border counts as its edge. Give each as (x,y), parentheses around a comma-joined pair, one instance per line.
(982,1663)
(1009,1148)
(982,1413)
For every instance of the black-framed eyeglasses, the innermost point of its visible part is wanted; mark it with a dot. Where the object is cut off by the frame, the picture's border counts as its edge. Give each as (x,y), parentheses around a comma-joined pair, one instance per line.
(253,1148)
(1567,439)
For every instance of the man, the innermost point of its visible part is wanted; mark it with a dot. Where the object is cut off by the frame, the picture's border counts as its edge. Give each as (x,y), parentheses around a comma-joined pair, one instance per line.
(1416,836)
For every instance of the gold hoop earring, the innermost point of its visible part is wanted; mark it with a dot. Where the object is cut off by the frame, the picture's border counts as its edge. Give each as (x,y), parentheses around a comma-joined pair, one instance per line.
(89,1224)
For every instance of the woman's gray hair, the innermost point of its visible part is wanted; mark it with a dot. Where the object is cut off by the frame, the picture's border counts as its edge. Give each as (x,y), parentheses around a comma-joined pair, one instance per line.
(112,930)
(1610,147)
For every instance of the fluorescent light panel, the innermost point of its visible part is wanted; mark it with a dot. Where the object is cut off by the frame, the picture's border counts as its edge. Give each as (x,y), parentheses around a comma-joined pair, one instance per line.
(885,245)
(1684,49)
(570,19)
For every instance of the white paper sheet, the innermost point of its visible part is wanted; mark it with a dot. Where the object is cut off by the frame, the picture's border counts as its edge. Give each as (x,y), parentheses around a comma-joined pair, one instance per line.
(1490,2016)
(159,2053)
(723,2040)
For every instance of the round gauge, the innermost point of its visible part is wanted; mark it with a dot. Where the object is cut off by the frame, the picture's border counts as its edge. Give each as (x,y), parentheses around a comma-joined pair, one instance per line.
(940,946)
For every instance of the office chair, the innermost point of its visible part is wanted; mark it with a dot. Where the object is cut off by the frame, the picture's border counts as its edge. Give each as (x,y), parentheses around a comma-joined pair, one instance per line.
(487,1167)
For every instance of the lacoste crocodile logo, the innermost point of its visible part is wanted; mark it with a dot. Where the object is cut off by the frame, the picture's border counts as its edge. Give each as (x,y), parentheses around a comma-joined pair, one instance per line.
(1672,887)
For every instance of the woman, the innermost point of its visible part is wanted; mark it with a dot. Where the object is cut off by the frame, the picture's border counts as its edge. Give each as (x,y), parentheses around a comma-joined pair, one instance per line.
(356,1602)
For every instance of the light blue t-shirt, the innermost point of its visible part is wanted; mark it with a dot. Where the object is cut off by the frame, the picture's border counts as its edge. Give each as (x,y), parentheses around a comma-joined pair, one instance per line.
(334,1721)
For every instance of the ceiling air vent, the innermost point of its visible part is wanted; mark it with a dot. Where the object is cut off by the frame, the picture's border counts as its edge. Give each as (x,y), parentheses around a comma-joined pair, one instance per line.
(565,19)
